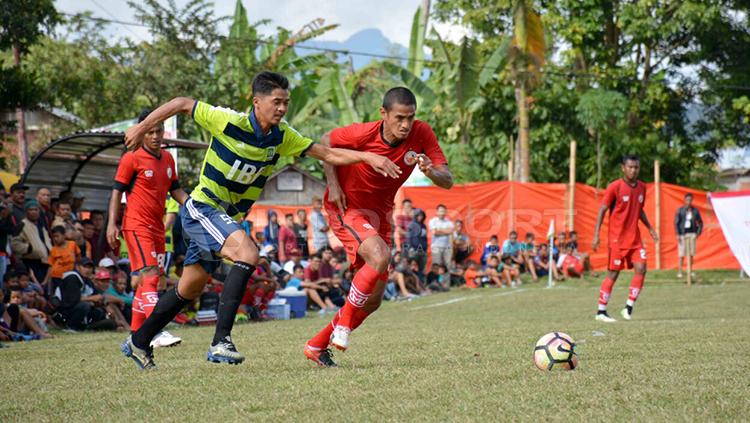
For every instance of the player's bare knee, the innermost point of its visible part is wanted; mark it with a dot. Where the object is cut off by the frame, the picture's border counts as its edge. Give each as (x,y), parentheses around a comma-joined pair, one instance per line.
(150,271)
(376,253)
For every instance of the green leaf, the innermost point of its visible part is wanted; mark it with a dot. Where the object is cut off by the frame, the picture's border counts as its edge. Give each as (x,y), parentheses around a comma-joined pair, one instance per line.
(467,84)
(416,44)
(496,62)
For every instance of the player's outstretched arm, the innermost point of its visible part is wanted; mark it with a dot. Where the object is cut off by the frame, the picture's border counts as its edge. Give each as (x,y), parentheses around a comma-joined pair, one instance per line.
(343,157)
(597,227)
(439,175)
(134,134)
(179,195)
(335,194)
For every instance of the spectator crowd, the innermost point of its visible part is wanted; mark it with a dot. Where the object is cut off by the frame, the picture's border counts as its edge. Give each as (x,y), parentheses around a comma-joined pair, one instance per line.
(57,269)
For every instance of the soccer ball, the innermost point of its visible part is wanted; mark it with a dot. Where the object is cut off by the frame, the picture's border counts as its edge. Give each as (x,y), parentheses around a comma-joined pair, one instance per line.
(555,351)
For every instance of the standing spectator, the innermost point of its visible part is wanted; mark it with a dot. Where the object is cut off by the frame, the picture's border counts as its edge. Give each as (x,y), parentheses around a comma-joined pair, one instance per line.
(87,230)
(491,247)
(287,238)
(18,199)
(64,218)
(688,227)
(442,230)
(6,231)
(77,204)
(45,208)
(300,229)
(32,244)
(100,248)
(326,266)
(319,226)
(271,232)
(416,239)
(62,258)
(403,220)
(462,248)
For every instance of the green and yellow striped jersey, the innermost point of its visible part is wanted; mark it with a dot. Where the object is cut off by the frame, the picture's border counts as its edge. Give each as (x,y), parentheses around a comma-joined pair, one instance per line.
(238,162)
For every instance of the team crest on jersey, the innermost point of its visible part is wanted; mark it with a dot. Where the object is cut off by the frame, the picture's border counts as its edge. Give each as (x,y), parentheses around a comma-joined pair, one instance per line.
(149,173)
(410,158)
(625,198)
(270,152)
(640,198)
(618,262)
(169,172)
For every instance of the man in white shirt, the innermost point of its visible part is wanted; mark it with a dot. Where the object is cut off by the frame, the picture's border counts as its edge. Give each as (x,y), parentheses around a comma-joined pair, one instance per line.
(319,226)
(442,230)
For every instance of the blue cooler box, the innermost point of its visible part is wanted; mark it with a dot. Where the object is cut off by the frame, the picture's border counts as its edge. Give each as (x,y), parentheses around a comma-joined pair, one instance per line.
(279,311)
(297,303)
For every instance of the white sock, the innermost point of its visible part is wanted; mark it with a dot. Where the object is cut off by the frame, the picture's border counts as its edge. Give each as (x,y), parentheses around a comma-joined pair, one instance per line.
(602,307)
(630,302)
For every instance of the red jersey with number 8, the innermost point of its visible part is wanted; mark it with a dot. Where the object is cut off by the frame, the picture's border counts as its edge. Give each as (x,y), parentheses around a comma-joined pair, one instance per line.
(625,203)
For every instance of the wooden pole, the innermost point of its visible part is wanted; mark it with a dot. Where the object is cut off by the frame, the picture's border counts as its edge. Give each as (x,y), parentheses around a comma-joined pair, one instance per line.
(572,186)
(510,170)
(657,204)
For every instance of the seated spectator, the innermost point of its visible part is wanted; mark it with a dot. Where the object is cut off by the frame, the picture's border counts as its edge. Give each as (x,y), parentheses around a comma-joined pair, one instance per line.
(79,306)
(512,268)
(527,254)
(109,265)
(295,258)
(541,260)
(583,257)
(407,278)
(337,293)
(17,322)
(568,264)
(433,279)
(326,268)
(317,288)
(118,289)
(444,278)
(512,248)
(260,291)
(33,292)
(473,274)
(87,230)
(62,258)
(462,247)
(456,275)
(113,304)
(491,247)
(497,273)
(559,243)
(298,276)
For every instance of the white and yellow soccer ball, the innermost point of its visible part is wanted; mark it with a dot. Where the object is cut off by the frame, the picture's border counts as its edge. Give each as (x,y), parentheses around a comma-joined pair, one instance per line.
(555,351)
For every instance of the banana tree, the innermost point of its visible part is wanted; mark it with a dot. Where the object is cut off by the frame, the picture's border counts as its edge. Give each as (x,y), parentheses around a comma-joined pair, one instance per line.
(527,57)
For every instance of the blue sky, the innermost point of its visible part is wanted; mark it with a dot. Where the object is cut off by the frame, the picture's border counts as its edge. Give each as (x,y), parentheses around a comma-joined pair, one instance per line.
(392,17)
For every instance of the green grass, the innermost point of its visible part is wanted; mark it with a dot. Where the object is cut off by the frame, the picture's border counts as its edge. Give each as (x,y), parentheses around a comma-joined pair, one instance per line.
(460,356)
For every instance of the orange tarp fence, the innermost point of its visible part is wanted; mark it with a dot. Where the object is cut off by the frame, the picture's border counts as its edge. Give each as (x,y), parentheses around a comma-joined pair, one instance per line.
(489,208)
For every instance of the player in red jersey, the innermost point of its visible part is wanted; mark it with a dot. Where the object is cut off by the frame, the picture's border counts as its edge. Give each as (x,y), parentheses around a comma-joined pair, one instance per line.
(624,199)
(359,203)
(146,175)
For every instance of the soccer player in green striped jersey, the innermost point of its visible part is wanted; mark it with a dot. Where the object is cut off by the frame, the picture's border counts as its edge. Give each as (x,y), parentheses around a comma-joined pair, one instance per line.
(243,151)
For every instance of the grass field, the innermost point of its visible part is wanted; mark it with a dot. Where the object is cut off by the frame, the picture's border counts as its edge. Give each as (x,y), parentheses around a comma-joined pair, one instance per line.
(460,356)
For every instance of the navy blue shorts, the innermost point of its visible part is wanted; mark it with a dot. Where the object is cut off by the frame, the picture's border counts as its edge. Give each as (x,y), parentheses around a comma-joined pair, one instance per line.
(205,229)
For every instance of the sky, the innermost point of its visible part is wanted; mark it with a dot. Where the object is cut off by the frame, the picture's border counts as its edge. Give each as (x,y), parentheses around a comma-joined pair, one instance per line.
(392,17)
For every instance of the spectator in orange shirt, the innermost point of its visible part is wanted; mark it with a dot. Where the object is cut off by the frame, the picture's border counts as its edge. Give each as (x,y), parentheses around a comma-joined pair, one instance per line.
(62,258)
(473,275)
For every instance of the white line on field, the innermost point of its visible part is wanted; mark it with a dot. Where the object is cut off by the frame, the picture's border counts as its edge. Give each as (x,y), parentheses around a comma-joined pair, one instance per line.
(459,299)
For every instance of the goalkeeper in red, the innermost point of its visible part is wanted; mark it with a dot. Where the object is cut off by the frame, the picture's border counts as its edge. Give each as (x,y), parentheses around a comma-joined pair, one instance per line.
(359,203)
(624,198)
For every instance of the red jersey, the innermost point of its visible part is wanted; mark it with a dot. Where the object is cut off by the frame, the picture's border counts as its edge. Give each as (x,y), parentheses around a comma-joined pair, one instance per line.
(363,186)
(625,203)
(146,179)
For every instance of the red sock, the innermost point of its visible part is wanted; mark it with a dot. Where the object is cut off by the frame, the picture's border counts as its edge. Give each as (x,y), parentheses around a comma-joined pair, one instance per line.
(149,294)
(138,315)
(636,285)
(362,286)
(321,340)
(360,315)
(604,292)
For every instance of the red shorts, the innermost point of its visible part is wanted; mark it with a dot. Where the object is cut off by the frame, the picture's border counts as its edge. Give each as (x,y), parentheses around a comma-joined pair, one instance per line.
(624,259)
(572,262)
(354,227)
(145,249)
